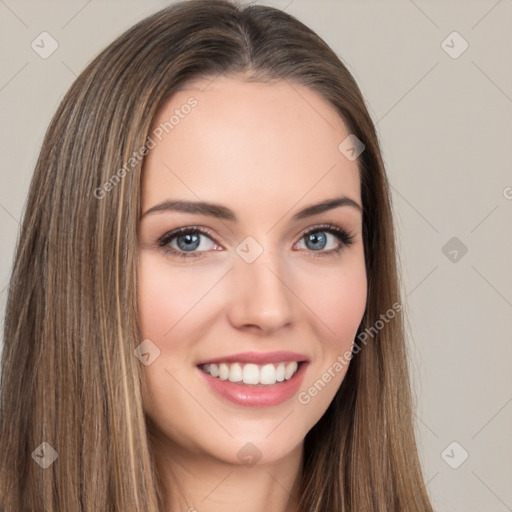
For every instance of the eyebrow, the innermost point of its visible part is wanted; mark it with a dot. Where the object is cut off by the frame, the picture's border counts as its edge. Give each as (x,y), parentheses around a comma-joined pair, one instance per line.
(222,212)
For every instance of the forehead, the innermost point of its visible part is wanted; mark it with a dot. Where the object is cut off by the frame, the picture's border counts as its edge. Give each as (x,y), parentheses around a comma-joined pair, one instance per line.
(250,144)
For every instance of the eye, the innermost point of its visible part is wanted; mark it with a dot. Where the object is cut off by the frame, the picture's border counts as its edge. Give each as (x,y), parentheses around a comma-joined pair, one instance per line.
(316,239)
(185,242)
(187,239)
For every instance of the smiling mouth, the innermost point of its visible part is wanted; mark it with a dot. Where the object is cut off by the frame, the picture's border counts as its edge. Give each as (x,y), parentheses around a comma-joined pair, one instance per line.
(253,374)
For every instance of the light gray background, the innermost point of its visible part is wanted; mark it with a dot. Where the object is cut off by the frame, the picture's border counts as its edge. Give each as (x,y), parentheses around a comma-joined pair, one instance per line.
(446,133)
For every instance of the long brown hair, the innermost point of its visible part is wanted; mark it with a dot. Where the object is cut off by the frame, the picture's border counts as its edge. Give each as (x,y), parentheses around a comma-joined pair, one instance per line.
(69,375)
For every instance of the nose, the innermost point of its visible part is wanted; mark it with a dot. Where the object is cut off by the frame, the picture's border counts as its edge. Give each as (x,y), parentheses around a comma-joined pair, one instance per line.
(261,295)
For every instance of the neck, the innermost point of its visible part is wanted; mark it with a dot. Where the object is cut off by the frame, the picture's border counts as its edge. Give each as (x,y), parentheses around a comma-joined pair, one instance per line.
(195,482)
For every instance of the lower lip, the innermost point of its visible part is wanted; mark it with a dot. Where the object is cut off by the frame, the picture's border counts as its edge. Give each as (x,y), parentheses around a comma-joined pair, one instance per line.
(256,395)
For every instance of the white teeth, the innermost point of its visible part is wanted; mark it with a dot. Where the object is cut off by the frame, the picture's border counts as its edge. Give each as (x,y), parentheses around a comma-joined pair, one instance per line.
(291,368)
(280,372)
(250,373)
(267,374)
(223,371)
(235,372)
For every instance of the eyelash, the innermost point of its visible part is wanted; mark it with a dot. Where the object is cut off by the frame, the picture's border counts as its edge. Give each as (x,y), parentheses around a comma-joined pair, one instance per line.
(346,239)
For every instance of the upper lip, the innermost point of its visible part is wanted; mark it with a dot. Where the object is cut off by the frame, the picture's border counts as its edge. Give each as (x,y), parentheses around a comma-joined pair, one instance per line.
(258,358)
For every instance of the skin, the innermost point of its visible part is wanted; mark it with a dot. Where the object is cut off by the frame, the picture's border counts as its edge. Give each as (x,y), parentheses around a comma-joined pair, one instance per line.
(266,151)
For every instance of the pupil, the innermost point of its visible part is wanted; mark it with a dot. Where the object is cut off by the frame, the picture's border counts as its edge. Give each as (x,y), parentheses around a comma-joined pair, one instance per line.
(316,239)
(189,240)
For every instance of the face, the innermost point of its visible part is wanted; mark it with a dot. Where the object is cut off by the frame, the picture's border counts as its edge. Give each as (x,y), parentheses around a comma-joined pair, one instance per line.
(251,278)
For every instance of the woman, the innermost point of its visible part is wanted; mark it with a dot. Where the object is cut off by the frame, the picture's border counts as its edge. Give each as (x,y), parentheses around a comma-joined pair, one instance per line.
(204,310)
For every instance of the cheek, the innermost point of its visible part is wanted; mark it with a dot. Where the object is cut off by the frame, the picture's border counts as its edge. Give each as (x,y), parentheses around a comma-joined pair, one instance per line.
(158,303)
(165,296)
(336,298)
(168,297)
(174,313)
(337,308)
(155,304)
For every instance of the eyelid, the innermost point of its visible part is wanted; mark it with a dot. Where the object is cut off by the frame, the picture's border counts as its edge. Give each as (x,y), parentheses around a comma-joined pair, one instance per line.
(345,238)
(165,239)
